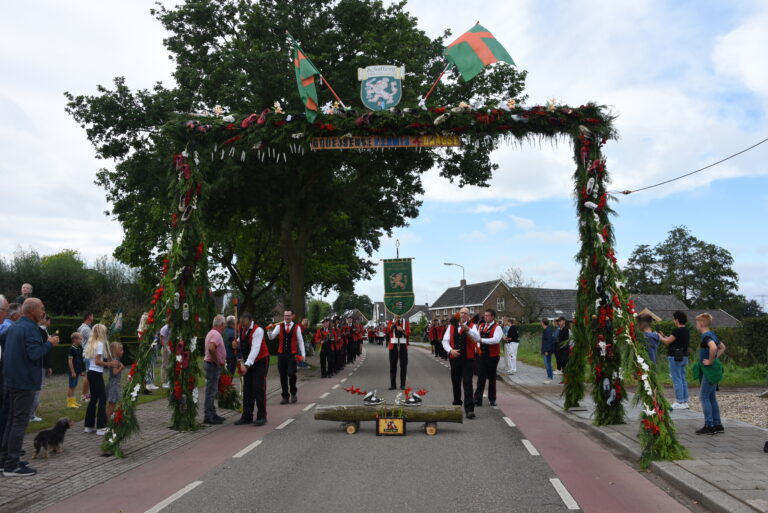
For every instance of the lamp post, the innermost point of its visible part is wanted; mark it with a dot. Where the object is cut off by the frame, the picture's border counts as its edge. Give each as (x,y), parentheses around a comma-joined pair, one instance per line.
(463,283)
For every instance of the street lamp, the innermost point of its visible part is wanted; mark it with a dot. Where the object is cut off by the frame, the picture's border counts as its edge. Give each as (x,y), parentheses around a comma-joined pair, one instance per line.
(463,283)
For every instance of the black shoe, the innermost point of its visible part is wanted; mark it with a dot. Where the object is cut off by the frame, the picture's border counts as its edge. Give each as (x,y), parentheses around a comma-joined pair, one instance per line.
(470,415)
(706,430)
(242,420)
(219,417)
(393,388)
(719,429)
(284,401)
(19,471)
(259,422)
(146,392)
(492,403)
(402,387)
(294,399)
(457,403)
(212,421)
(478,403)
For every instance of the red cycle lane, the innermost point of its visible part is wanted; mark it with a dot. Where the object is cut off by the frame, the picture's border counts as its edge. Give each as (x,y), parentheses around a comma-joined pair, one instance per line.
(597,480)
(141,488)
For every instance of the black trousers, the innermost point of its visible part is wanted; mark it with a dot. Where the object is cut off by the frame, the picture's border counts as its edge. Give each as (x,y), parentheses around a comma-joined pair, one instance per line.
(398,352)
(359,347)
(255,390)
(351,351)
(486,371)
(286,365)
(461,377)
(326,360)
(94,415)
(561,356)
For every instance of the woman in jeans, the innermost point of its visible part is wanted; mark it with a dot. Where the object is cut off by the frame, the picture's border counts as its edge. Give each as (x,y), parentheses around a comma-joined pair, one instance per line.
(677,348)
(100,358)
(710,350)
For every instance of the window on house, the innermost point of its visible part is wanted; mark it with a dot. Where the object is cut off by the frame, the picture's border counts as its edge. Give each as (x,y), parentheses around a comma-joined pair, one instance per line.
(455,310)
(500,304)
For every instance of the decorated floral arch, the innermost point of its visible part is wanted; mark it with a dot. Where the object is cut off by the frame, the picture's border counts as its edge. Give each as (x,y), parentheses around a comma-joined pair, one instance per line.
(606,344)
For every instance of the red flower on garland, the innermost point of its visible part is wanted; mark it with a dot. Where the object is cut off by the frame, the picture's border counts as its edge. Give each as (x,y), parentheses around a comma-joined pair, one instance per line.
(199,251)
(437,110)
(408,392)
(603,201)
(132,371)
(327,127)
(231,140)
(117,417)
(177,390)
(422,391)
(612,255)
(249,120)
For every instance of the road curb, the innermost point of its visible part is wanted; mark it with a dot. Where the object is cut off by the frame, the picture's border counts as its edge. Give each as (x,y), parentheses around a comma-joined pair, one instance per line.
(689,484)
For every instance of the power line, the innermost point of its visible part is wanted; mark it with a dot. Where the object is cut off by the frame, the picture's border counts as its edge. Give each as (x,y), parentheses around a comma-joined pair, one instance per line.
(695,171)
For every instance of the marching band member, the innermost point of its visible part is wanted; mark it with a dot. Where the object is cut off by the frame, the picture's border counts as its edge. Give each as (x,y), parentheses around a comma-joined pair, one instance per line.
(434,337)
(349,343)
(290,351)
(491,334)
(460,341)
(397,337)
(324,337)
(255,373)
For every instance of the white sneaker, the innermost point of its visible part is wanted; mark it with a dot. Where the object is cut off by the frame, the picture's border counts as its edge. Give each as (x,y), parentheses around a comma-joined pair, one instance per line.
(677,406)
(35,419)
(558,373)
(101,432)
(685,406)
(166,385)
(547,381)
(89,430)
(152,386)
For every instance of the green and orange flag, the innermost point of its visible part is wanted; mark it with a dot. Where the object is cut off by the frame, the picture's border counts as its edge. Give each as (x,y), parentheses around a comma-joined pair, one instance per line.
(474,50)
(305,80)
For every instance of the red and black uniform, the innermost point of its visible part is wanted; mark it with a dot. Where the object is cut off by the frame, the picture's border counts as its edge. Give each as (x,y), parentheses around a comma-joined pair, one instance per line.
(324,336)
(357,335)
(348,332)
(255,353)
(461,365)
(290,346)
(338,350)
(490,342)
(398,334)
(434,339)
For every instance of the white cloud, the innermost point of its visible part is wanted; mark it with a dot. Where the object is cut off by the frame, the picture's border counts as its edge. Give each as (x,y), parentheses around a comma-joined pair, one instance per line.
(488,209)
(523,223)
(473,235)
(741,54)
(552,237)
(495,226)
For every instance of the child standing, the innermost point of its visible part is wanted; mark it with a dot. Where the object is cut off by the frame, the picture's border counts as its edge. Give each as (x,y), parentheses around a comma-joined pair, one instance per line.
(76,367)
(652,339)
(100,358)
(113,385)
(710,351)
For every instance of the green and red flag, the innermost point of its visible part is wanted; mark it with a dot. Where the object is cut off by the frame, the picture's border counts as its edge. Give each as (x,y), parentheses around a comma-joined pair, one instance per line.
(305,80)
(474,50)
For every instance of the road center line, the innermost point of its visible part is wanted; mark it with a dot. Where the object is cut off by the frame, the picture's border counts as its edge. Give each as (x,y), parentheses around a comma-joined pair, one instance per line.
(162,504)
(334,387)
(562,491)
(248,449)
(343,380)
(285,423)
(531,449)
(509,421)
(325,395)
(309,407)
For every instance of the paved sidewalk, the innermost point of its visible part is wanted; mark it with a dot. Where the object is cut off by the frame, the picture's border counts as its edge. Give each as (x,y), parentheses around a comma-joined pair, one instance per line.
(728,472)
(80,466)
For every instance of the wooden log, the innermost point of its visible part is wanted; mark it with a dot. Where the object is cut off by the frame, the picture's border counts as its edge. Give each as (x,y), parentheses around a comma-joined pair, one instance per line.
(430,428)
(352,427)
(357,413)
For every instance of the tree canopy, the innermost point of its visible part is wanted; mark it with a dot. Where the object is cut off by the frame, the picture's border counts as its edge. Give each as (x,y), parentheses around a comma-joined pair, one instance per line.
(301,224)
(349,301)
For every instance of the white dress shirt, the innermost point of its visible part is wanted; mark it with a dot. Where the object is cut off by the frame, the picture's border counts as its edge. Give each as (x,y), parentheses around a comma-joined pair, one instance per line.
(496,338)
(299,338)
(257,338)
(472,333)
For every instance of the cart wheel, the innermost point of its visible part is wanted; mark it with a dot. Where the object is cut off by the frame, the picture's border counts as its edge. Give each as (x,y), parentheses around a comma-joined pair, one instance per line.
(430,428)
(352,427)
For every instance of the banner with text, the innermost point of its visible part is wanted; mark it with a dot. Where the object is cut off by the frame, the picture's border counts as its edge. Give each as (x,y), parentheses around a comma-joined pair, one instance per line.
(398,285)
(377,142)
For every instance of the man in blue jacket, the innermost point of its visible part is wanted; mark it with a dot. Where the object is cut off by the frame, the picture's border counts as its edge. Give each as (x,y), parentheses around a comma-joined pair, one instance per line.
(548,343)
(23,356)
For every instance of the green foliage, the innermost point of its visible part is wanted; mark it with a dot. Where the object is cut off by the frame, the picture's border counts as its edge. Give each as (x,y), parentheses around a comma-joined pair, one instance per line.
(349,301)
(321,211)
(318,310)
(699,273)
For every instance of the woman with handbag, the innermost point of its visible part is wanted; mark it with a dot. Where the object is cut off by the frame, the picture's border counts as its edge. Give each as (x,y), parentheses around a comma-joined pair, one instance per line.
(677,349)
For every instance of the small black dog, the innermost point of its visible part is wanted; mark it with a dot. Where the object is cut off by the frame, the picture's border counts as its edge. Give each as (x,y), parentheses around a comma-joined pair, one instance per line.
(52,439)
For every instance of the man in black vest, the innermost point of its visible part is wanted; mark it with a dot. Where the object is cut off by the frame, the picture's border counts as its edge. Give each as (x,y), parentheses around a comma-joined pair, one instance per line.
(290,351)
(460,341)
(241,345)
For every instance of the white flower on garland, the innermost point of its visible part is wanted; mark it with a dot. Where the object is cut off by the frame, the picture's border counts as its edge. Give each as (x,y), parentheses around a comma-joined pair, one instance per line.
(195,395)
(193,344)
(218,110)
(551,104)
(278,108)
(648,412)
(135,392)
(178,358)
(229,118)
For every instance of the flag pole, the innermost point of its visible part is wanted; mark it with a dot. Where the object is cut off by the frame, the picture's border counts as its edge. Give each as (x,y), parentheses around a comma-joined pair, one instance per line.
(447,66)
(322,78)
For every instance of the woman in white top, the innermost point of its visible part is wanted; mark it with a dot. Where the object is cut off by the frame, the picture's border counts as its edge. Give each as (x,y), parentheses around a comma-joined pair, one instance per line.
(99,357)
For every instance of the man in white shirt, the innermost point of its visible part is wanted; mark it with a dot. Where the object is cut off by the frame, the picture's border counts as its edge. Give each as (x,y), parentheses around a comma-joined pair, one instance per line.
(254,370)
(290,351)
(460,343)
(490,340)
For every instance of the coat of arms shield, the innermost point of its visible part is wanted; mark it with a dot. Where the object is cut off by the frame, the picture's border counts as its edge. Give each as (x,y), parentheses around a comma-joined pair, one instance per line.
(381,86)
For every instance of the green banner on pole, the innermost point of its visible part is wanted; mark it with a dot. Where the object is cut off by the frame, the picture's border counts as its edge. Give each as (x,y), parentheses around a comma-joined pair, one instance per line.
(398,285)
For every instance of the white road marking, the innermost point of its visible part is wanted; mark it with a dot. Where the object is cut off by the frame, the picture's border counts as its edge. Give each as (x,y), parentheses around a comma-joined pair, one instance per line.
(247,449)
(351,373)
(162,504)
(309,407)
(343,380)
(531,449)
(562,491)
(325,395)
(509,421)
(334,387)
(285,423)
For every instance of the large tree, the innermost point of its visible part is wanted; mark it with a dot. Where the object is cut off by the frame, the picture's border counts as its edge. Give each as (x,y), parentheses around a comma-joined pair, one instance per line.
(699,273)
(349,301)
(300,224)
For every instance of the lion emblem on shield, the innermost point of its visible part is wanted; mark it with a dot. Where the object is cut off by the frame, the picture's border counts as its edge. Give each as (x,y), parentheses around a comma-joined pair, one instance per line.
(381,91)
(398,281)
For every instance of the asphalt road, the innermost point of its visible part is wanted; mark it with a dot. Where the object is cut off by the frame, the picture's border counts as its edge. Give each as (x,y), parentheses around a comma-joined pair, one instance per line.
(309,465)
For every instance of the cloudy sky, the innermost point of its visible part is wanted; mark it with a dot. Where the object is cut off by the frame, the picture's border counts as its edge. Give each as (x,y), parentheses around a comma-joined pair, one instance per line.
(688,80)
